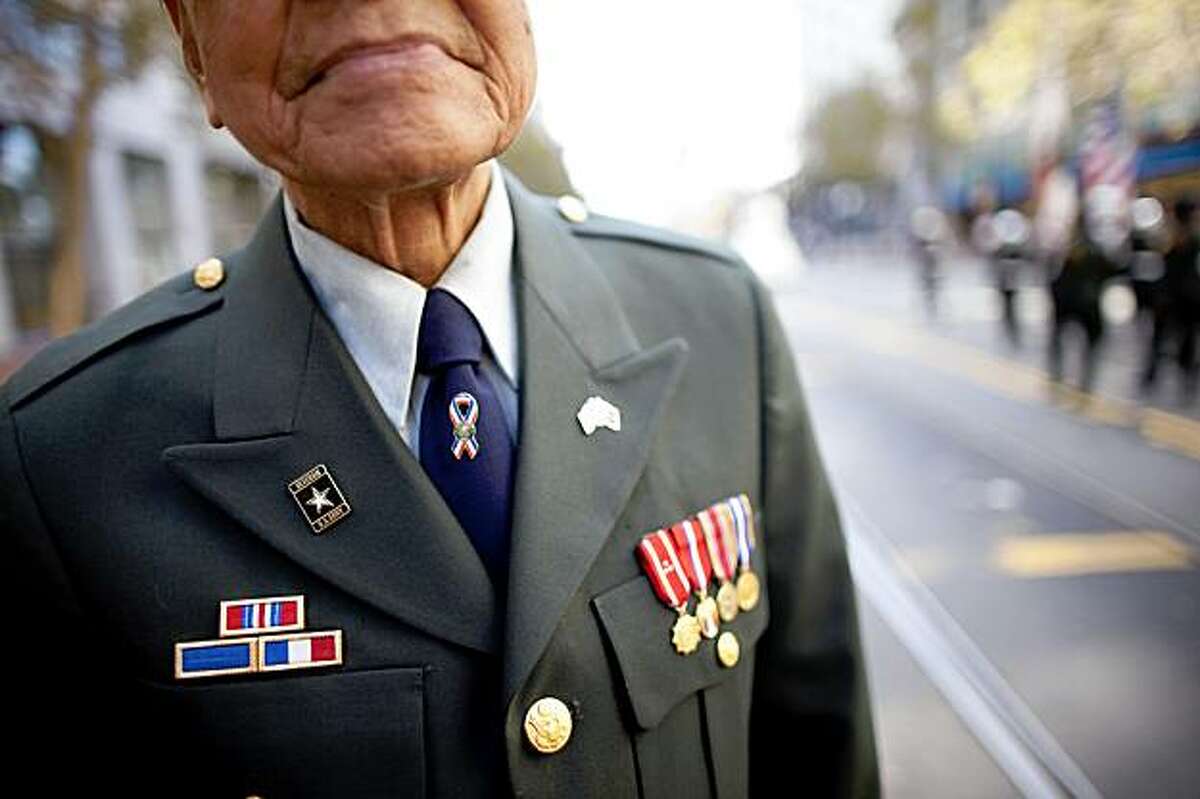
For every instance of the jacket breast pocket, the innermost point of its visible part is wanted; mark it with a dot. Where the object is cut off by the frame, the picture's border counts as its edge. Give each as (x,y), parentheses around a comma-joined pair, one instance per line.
(342,734)
(687,709)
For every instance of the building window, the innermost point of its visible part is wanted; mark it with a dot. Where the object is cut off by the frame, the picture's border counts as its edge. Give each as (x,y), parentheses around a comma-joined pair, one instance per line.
(235,202)
(150,209)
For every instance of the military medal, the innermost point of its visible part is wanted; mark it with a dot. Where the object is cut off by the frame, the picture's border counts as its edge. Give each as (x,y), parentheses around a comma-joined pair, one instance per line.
(693,556)
(670,582)
(721,543)
(728,649)
(748,588)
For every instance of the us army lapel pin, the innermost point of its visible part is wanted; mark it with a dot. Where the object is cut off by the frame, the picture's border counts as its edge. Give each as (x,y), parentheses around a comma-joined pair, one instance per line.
(597,412)
(319,498)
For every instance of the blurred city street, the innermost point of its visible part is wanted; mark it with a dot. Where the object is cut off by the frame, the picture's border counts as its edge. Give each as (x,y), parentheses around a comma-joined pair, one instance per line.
(1026,557)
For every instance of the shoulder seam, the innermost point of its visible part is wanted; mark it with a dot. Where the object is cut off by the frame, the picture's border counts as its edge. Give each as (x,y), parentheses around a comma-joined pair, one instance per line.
(75,354)
(658,238)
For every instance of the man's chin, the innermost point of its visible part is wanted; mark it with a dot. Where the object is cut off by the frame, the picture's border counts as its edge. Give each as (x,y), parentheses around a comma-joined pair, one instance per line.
(372,170)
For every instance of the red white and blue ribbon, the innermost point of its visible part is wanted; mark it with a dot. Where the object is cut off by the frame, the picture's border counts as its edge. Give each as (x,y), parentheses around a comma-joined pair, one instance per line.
(464,416)
(300,650)
(739,507)
(662,566)
(270,614)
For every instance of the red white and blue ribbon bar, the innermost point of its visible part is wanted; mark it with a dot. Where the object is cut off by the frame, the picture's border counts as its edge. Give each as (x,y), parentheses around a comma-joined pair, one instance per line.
(300,650)
(266,615)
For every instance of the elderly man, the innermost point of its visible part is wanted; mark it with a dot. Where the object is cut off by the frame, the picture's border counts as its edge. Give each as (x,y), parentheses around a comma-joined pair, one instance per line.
(435,488)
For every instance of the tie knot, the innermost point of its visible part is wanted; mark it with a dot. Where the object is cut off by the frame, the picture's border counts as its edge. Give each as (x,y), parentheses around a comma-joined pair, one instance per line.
(449,334)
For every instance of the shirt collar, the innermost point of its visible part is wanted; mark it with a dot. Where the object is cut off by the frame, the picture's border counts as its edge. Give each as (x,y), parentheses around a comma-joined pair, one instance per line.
(377,311)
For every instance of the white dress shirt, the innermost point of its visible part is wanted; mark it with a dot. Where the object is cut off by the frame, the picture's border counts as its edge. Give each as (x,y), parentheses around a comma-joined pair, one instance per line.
(377,311)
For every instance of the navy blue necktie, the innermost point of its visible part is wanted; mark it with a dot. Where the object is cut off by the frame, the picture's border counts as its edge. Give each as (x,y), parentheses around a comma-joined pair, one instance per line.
(465,444)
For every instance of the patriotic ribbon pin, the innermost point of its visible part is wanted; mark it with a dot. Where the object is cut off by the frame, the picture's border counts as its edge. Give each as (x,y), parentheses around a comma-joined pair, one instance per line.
(278,651)
(464,416)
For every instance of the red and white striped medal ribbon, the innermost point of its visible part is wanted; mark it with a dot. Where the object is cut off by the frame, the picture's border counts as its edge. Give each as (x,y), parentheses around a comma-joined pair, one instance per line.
(659,560)
(722,552)
(693,554)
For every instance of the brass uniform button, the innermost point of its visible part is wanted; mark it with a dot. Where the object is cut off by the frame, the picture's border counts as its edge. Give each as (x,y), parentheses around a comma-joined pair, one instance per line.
(548,725)
(209,274)
(572,208)
(728,649)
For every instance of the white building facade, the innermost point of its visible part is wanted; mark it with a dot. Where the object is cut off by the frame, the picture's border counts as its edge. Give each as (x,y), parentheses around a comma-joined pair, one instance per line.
(166,191)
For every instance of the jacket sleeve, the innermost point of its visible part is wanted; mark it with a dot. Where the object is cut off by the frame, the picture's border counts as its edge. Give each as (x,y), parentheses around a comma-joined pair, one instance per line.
(66,708)
(811,721)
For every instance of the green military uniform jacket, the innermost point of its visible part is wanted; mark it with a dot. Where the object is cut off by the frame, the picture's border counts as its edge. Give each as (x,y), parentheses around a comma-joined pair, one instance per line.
(145,463)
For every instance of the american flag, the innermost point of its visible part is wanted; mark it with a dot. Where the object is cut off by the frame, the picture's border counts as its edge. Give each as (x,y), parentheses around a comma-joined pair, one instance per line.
(1107,153)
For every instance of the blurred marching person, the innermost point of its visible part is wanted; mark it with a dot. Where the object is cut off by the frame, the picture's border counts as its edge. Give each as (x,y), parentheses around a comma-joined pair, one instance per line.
(1011,240)
(1076,284)
(928,234)
(1177,321)
(1147,242)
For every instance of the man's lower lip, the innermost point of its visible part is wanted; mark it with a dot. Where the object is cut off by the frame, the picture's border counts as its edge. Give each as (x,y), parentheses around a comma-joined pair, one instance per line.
(424,55)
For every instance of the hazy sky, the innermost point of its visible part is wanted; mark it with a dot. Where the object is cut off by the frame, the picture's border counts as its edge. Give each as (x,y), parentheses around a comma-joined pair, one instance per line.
(664,106)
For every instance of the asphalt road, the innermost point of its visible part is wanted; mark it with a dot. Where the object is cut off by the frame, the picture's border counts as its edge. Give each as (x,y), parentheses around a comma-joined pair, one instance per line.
(1026,556)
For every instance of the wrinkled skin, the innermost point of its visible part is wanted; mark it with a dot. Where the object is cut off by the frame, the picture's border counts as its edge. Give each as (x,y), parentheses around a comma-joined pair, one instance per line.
(375,112)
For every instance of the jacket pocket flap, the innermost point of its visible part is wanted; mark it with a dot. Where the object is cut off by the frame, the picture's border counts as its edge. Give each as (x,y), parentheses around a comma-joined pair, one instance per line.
(278,734)
(655,676)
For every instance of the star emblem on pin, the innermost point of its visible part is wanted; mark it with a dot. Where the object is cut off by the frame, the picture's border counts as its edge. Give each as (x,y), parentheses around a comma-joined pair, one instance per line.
(319,499)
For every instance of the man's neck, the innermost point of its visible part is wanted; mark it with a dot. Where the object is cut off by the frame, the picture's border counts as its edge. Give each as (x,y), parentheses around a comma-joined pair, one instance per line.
(416,233)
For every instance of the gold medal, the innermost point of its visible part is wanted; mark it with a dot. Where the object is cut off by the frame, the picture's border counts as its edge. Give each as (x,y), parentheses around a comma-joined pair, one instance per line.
(685,635)
(727,601)
(706,614)
(728,649)
(747,590)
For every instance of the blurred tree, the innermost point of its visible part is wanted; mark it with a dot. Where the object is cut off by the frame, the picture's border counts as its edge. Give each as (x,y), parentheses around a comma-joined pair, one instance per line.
(57,57)
(1147,49)
(915,32)
(846,134)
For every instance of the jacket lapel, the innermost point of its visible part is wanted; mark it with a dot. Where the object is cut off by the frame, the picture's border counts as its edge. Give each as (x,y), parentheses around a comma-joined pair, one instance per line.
(570,489)
(287,396)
